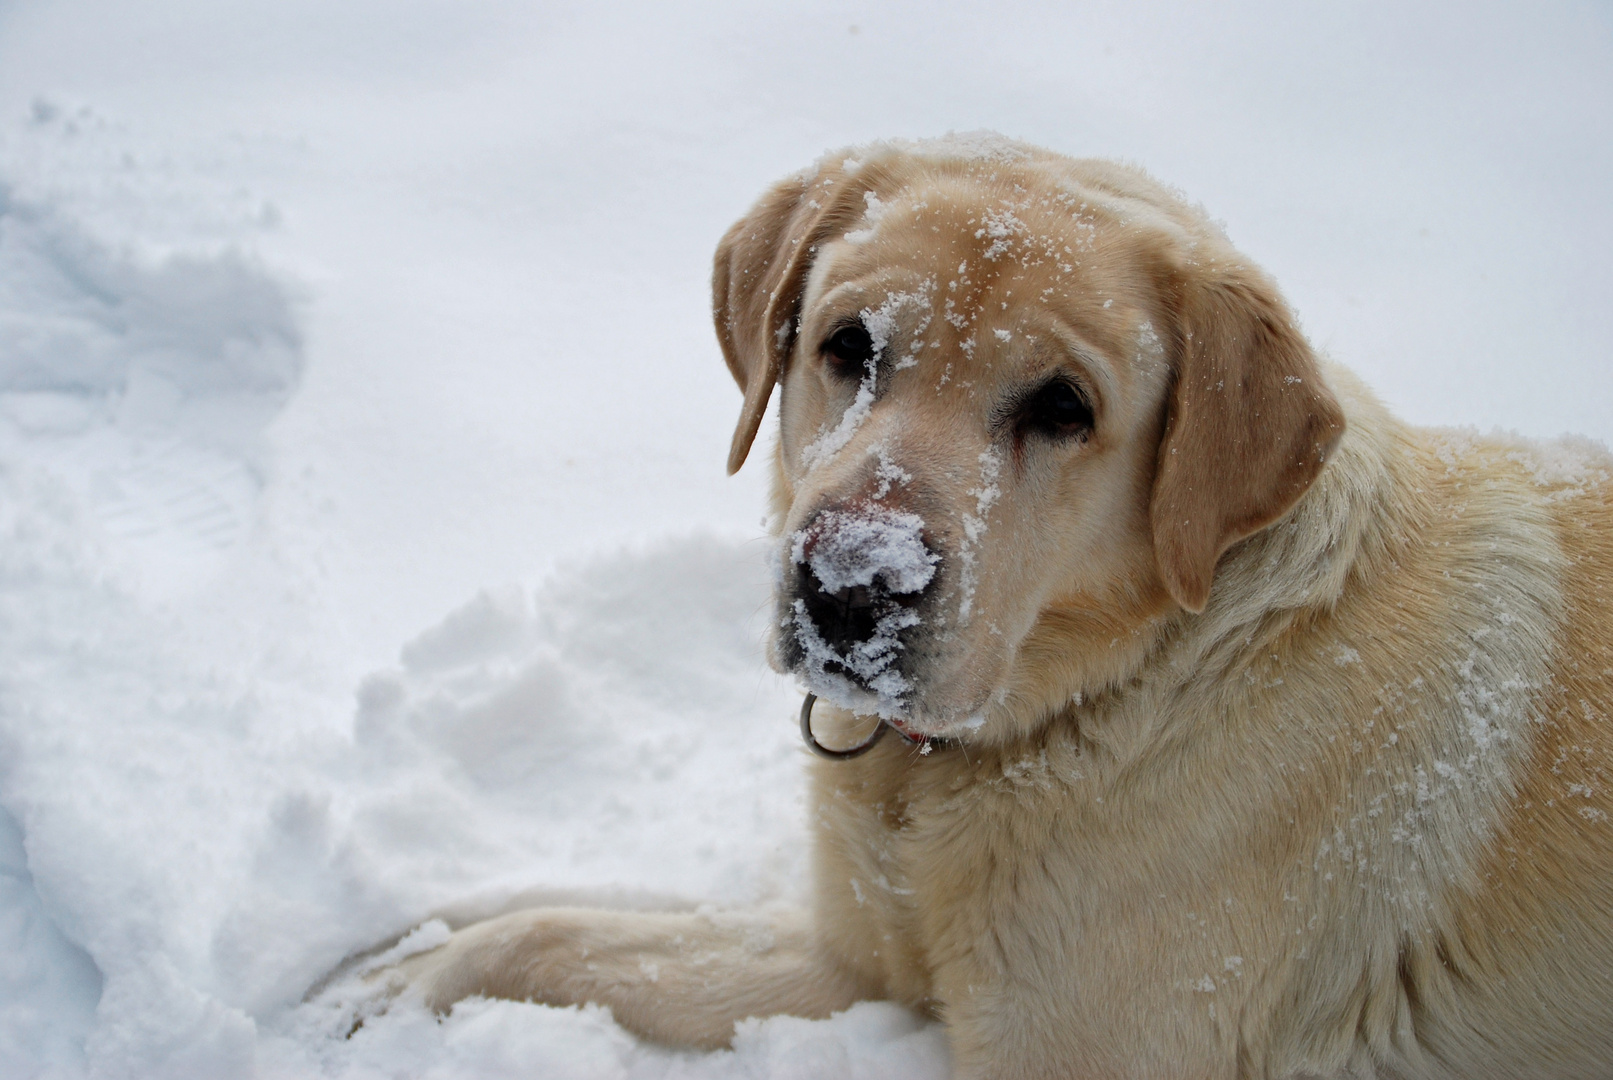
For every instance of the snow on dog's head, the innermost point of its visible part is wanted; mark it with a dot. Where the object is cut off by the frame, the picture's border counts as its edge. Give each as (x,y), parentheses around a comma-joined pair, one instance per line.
(1010,450)
(847,549)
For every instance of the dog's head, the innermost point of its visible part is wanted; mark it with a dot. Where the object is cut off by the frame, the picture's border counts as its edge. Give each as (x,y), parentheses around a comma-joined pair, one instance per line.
(1026,404)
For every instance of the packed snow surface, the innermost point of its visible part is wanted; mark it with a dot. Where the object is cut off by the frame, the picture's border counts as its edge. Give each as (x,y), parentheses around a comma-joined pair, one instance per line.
(365,553)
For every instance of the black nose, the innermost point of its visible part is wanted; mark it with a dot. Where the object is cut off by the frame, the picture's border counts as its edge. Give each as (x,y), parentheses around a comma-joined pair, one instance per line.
(844,617)
(861,577)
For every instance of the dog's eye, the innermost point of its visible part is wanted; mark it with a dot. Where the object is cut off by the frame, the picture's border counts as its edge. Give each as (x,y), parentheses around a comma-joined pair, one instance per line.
(1059,411)
(849,350)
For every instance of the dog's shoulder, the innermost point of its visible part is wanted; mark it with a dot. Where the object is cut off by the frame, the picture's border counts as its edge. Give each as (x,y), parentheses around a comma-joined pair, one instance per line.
(1536,907)
(1454,700)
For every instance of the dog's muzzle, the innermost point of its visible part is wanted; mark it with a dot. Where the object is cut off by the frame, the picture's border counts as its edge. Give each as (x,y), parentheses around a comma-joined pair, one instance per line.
(855,588)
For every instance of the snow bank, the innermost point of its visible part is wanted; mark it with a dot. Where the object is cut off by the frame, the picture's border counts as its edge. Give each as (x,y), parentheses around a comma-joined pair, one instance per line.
(481,1038)
(212,829)
(48,986)
(202,811)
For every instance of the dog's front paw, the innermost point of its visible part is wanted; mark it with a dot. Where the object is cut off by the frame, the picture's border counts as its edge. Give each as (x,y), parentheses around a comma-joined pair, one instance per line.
(538,955)
(438,969)
(678,978)
(365,985)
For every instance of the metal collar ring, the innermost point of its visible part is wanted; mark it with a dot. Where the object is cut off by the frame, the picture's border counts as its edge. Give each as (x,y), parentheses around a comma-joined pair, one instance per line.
(925,743)
(835,755)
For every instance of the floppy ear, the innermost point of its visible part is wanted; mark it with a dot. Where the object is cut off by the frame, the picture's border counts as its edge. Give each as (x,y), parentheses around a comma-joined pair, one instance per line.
(756,282)
(1250,424)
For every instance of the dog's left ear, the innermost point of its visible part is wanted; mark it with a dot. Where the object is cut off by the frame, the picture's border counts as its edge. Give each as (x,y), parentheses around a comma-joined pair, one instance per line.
(756,282)
(1250,423)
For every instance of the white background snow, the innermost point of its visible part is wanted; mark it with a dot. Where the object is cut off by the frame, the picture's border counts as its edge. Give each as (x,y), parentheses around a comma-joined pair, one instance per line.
(364,540)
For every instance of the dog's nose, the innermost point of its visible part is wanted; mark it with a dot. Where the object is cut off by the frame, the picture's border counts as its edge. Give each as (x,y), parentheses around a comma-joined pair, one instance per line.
(846,616)
(860,575)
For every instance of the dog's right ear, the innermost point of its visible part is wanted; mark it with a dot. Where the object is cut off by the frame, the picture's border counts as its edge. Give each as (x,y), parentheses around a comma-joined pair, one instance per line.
(1250,424)
(756,284)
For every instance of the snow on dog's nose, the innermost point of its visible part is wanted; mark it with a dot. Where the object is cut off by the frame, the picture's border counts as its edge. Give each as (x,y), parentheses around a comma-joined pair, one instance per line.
(859,575)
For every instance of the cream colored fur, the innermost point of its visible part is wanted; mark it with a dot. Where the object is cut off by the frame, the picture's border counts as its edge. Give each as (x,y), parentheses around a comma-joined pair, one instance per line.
(1351,818)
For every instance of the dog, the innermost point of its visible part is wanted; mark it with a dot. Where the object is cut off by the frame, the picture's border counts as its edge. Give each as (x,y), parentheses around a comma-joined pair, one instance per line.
(1245,731)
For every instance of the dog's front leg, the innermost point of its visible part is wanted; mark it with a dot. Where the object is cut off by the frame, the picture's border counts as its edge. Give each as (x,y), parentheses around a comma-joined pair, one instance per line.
(678,979)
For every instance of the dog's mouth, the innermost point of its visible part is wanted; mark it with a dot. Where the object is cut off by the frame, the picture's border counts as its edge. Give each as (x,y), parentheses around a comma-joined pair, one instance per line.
(865,673)
(856,582)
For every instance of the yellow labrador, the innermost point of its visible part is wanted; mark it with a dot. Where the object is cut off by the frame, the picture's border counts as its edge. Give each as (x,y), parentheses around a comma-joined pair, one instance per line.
(1244,730)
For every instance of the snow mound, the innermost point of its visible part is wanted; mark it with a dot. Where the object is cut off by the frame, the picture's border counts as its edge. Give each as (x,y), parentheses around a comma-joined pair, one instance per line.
(141,380)
(482,1038)
(48,986)
(137,340)
(204,808)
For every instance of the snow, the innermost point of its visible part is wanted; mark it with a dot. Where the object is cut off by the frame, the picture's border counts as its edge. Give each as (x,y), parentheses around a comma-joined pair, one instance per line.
(851,548)
(975,526)
(887,472)
(832,440)
(1002,226)
(875,210)
(881,325)
(871,660)
(365,549)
